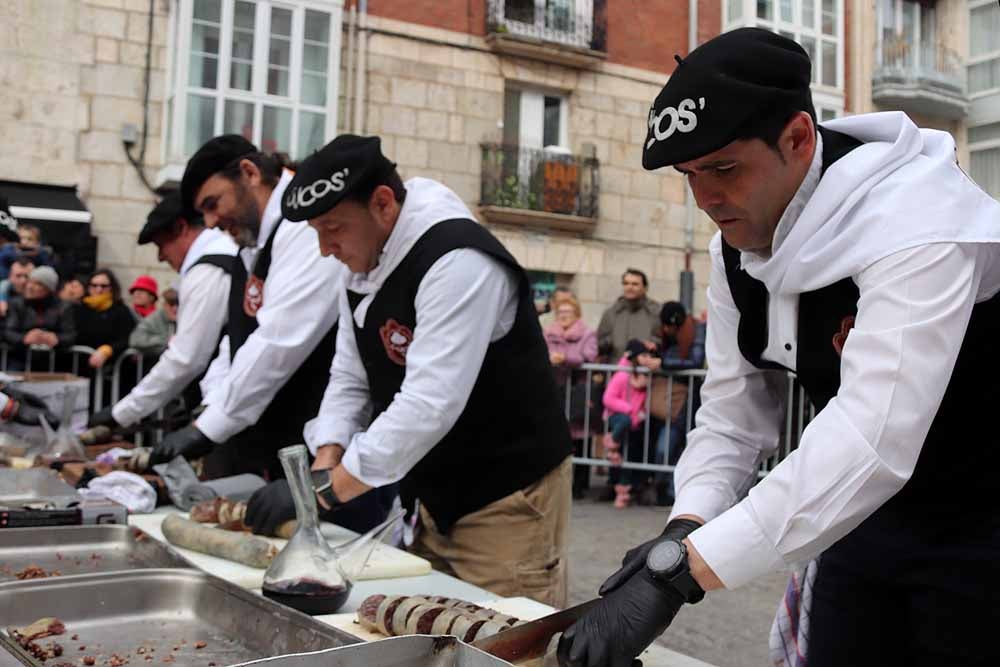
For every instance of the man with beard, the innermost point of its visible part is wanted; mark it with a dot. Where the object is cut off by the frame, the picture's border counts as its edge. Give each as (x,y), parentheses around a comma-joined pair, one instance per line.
(282,315)
(204,259)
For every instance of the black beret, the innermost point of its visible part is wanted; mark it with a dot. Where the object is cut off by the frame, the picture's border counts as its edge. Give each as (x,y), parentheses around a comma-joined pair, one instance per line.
(719,88)
(212,157)
(162,217)
(8,223)
(347,164)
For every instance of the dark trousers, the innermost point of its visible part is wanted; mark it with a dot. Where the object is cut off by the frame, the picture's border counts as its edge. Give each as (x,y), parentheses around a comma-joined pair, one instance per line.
(927,596)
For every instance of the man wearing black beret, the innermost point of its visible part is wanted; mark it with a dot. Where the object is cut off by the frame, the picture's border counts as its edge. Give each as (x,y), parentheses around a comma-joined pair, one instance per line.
(282,315)
(203,258)
(441,380)
(861,258)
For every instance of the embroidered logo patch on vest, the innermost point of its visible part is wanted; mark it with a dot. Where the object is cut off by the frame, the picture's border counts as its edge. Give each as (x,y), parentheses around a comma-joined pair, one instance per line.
(396,338)
(253,296)
(840,337)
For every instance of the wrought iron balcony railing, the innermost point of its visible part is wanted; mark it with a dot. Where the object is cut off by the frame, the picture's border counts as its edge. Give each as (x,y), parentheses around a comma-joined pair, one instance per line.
(576,23)
(539,180)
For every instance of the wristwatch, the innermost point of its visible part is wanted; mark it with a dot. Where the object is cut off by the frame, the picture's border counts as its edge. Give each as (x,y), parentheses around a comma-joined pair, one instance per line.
(668,562)
(323,486)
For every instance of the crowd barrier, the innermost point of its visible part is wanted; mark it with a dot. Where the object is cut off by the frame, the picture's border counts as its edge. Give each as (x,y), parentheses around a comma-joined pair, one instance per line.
(673,394)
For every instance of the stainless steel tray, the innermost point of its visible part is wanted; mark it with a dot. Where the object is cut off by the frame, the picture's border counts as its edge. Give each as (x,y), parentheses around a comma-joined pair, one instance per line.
(409,651)
(33,485)
(82,550)
(163,612)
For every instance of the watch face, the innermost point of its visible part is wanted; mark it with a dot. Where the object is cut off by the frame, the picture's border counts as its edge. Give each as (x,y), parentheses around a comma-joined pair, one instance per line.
(665,557)
(320,478)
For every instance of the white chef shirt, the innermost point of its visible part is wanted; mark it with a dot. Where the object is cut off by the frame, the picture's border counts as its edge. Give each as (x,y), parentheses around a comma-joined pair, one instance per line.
(202,296)
(299,308)
(863,446)
(465,301)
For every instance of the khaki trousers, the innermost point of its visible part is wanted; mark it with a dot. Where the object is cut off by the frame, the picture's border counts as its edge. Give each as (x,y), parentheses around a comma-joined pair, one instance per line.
(515,546)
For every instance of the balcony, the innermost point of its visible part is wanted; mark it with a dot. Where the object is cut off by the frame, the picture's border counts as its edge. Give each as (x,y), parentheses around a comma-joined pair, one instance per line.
(927,79)
(565,32)
(544,189)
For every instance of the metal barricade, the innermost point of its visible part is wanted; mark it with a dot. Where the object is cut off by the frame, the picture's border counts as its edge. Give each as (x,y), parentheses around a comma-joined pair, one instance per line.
(799,411)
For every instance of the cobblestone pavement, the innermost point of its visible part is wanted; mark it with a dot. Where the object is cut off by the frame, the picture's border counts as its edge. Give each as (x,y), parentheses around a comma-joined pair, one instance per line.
(727,629)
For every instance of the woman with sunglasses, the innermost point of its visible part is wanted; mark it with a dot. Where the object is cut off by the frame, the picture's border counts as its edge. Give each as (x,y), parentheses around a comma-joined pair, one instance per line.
(103,321)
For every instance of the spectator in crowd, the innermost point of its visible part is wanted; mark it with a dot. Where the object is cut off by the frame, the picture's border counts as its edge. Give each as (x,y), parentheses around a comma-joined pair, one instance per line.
(153,333)
(39,318)
(15,283)
(572,343)
(632,316)
(546,311)
(103,321)
(682,348)
(8,234)
(29,246)
(144,291)
(625,410)
(73,289)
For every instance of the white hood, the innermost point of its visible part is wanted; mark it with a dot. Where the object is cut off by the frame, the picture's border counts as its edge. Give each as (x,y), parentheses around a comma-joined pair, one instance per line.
(901,189)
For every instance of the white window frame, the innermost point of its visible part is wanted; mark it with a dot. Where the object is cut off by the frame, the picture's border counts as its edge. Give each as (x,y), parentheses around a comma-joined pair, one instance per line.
(582,9)
(178,61)
(983,58)
(825,96)
(992,144)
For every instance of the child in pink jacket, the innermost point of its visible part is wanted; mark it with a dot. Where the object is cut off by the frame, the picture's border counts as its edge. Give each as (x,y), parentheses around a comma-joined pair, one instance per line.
(625,411)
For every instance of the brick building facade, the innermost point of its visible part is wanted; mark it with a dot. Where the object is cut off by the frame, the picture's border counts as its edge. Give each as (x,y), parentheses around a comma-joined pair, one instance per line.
(534,111)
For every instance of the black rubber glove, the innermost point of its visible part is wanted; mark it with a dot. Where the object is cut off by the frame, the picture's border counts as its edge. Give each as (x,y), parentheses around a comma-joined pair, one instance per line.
(102,418)
(635,559)
(188,442)
(269,507)
(622,624)
(30,408)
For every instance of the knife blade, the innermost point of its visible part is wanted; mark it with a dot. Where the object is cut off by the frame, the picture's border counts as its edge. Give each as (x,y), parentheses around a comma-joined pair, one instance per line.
(524,642)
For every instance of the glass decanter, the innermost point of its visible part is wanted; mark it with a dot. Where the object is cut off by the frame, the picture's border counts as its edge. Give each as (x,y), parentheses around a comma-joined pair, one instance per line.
(309,574)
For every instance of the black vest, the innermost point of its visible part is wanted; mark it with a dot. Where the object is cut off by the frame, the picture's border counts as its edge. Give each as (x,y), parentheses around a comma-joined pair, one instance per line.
(298,400)
(224,262)
(954,473)
(512,431)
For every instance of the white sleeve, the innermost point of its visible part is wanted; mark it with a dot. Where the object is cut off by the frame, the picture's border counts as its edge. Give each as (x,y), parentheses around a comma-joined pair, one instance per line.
(299,308)
(346,407)
(862,448)
(215,376)
(4,400)
(200,318)
(466,300)
(738,423)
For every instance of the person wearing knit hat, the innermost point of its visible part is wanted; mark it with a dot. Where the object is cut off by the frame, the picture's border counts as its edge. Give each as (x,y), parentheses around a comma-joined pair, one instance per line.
(857,255)
(39,318)
(144,293)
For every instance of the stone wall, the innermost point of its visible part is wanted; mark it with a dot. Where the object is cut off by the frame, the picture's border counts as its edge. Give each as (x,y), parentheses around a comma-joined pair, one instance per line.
(72,75)
(434,98)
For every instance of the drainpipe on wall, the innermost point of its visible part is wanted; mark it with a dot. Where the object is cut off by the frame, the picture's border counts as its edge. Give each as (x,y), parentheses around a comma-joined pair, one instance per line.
(352,32)
(362,66)
(687,275)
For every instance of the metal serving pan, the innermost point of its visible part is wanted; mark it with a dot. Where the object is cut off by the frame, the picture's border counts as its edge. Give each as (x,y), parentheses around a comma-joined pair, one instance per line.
(34,485)
(72,550)
(162,612)
(408,651)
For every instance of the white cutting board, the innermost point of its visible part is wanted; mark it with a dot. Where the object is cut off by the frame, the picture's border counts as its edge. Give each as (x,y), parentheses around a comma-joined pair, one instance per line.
(386,562)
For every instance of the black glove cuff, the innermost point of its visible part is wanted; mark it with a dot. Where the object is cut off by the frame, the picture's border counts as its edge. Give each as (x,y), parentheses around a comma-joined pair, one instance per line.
(679,529)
